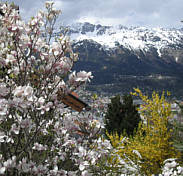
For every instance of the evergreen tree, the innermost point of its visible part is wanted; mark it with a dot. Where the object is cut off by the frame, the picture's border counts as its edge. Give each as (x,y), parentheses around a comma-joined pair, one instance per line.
(121,116)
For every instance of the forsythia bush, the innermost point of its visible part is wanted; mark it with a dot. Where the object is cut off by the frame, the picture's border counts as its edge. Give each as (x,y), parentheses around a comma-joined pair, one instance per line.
(151,144)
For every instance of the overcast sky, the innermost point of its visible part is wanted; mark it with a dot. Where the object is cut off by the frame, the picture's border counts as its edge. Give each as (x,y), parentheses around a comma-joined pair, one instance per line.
(151,13)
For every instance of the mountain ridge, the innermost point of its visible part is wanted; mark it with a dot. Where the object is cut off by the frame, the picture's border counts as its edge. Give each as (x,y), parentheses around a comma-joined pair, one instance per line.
(115,53)
(133,38)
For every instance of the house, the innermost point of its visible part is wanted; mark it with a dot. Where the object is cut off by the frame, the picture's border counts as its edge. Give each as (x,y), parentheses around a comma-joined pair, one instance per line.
(72,100)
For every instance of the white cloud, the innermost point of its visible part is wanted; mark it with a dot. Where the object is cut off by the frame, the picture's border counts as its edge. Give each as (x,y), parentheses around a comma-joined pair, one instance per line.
(59,4)
(127,12)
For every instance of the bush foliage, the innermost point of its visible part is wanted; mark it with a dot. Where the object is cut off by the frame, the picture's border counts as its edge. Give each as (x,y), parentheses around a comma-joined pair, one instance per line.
(151,144)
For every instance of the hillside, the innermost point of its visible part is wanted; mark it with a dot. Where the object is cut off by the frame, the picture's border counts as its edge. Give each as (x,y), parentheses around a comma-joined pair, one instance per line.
(121,58)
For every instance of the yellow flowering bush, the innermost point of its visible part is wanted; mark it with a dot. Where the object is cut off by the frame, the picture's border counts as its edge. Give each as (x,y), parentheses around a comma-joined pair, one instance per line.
(151,145)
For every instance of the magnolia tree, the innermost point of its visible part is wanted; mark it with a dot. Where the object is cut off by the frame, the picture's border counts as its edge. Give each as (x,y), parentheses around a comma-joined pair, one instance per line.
(38,135)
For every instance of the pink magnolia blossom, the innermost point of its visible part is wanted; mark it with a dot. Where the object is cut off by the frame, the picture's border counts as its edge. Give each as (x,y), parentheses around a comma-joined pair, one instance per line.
(49,4)
(15,129)
(10,163)
(3,107)
(84,76)
(3,90)
(39,147)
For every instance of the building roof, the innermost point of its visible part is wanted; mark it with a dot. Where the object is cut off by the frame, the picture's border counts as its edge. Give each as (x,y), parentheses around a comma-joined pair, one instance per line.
(72,100)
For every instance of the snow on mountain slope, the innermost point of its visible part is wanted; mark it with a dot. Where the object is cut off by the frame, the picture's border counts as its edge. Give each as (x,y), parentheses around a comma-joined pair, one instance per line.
(134,38)
(121,58)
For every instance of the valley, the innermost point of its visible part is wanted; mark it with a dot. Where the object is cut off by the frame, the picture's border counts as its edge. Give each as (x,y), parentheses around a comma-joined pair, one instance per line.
(121,58)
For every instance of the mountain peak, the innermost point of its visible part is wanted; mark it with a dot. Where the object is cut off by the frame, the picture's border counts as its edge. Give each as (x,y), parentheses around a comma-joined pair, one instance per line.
(134,38)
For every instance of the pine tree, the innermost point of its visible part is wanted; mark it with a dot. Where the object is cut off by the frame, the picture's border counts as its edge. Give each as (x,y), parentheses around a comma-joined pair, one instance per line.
(121,116)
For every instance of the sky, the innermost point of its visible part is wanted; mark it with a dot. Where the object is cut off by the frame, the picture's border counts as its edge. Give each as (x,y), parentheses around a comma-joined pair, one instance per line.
(149,13)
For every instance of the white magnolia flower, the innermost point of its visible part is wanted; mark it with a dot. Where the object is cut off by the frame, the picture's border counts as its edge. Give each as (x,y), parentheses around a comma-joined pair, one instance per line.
(24,39)
(171,164)
(83,165)
(40,14)
(25,166)
(3,107)
(40,43)
(49,4)
(2,137)
(15,128)
(19,91)
(171,168)
(4,8)
(3,89)
(41,100)
(56,53)
(26,123)
(72,173)
(66,65)
(86,173)
(28,91)
(10,163)
(57,79)
(40,170)
(2,169)
(54,171)
(82,151)
(10,58)
(34,21)
(55,47)
(16,70)
(84,76)
(39,147)
(180,170)
(25,91)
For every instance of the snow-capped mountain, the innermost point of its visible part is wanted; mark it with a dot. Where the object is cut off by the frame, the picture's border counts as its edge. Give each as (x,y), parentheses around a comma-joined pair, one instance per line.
(126,57)
(132,38)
